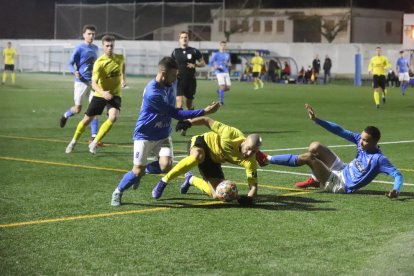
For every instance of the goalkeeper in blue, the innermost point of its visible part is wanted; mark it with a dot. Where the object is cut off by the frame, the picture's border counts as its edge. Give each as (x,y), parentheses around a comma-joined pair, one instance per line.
(329,172)
(152,134)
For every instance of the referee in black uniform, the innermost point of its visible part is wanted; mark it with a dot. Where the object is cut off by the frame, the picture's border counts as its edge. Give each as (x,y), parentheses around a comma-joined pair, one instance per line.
(188,58)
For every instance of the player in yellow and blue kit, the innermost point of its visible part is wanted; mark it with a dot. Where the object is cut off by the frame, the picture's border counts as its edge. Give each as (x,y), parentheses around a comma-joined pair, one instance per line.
(81,66)
(208,151)
(9,53)
(108,78)
(378,67)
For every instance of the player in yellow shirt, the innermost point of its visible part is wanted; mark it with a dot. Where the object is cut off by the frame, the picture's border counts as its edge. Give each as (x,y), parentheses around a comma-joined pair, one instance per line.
(378,67)
(257,63)
(209,150)
(108,78)
(9,54)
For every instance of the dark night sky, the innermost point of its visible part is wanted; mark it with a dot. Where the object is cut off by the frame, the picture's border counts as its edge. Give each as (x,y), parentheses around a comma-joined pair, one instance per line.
(35,18)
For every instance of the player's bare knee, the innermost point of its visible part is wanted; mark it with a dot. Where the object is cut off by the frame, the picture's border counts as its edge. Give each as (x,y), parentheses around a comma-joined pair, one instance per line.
(198,153)
(76,109)
(315,147)
(138,170)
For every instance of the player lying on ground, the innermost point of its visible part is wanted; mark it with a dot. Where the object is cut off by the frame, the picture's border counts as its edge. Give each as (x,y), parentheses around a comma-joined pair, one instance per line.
(208,151)
(329,172)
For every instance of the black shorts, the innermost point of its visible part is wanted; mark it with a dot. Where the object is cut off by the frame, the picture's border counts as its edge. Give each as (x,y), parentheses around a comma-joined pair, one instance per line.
(208,169)
(379,81)
(255,74)
(186,87)
(97,105)
(8,67)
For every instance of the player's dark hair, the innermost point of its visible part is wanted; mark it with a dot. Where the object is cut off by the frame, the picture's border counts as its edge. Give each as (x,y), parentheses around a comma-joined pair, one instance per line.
(402,52)
(108,38)
(167,63)
(89,27)
(223,42)
(374,132)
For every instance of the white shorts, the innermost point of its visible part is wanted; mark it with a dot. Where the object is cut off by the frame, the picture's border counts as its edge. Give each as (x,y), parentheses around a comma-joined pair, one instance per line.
(335,183)
(144,148)
(223,79)
(80,91)
(404,76)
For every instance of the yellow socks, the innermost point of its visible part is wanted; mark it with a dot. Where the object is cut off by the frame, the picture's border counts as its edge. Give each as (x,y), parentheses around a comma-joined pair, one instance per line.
(181,168)
(103,130)
(201,185)
(79,130)
(376,98)
(4,77)
(13,77)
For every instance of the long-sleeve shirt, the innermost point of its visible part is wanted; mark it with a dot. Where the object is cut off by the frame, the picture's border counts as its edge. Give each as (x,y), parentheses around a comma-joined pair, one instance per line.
(157,110)
(366,165)
(82,60)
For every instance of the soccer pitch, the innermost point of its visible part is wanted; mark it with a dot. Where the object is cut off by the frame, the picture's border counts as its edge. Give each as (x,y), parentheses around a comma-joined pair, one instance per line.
(55,208)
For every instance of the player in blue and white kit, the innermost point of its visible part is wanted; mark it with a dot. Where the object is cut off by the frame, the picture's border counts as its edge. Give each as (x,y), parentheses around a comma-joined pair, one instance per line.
(330,173)
(403,67)
(221,63)
(153,128)
(81,65)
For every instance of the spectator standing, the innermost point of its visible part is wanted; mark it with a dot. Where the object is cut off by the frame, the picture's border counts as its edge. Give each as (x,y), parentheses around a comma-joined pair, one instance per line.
(327,65)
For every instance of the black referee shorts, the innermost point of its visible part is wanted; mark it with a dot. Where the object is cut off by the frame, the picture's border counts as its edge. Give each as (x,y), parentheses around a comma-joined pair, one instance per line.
(186,87)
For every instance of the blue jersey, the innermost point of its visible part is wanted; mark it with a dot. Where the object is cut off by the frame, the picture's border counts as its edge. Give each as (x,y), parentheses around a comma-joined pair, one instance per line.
(402,65)
(222,60)
(82,60)
(366,165)
(157,110)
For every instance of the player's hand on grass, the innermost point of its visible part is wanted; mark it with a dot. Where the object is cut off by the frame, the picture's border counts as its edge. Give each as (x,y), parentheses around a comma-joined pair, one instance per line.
(212,108)
(183,125)
(311,112)
(245,200)
(392,194)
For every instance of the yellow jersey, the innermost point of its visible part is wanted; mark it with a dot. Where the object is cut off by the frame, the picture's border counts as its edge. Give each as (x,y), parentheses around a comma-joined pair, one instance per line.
(108,73)
(224,143)
(379,65)
(9,54)
(257,62)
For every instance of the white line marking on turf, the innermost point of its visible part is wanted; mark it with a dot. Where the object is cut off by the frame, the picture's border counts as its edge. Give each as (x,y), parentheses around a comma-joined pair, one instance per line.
(337,146)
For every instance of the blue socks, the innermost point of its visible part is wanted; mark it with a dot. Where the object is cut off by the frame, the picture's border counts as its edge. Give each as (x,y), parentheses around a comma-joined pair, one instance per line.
(153,168)
(221,95)
(127,181)
(285,160)
(68,113)
(94,127)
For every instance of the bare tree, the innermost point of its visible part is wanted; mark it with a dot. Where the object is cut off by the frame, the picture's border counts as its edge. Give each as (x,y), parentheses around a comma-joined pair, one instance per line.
(241,26)
(330,31)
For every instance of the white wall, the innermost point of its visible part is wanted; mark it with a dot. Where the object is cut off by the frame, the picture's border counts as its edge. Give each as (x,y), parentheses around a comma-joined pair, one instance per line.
(142,56)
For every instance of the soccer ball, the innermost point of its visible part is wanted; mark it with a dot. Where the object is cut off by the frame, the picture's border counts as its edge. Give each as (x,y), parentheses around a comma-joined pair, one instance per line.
(226,191)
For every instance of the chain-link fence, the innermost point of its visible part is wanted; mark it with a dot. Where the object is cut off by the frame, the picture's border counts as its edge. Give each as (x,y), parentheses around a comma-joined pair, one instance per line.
(137,21)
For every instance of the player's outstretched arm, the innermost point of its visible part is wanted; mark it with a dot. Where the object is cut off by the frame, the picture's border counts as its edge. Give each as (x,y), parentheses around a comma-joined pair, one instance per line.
(211,108)
(198,121)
